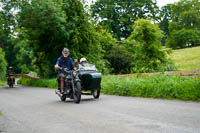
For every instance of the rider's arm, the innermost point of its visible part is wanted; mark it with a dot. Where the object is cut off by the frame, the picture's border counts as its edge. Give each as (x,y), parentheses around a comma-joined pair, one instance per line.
(57,64)
(72,64)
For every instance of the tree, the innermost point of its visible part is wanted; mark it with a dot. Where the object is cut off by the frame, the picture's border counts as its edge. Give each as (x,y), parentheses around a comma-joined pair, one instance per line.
(51,25)
(165,18)
(149,55)
(43,24)
(7,25)
(120,59)
(3,65)
(117,16)
(185,23)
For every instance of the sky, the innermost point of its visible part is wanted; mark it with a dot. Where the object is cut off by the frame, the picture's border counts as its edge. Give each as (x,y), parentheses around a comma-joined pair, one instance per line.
(160,2)
(165,2)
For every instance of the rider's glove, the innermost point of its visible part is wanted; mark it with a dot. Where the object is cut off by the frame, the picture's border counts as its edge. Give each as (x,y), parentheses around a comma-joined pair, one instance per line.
(65,69)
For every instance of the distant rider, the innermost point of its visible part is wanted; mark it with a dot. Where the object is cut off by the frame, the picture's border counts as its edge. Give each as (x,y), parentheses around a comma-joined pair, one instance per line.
(64,62)
(10,73)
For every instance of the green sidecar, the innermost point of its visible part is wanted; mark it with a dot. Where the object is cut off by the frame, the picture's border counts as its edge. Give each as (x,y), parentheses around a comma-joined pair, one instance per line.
(90,80)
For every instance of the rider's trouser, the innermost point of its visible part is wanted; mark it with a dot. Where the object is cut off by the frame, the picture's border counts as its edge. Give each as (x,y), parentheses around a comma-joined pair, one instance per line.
(60,80)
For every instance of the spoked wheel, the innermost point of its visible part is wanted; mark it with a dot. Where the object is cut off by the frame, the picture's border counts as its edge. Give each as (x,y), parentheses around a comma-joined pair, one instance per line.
(96,93)
(63,98)
(77,92)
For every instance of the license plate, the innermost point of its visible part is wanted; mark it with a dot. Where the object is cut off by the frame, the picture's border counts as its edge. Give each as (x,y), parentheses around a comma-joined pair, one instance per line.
(11,77)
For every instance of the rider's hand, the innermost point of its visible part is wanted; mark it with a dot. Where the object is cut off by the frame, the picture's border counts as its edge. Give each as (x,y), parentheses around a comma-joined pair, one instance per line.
(57,67)
(65,69)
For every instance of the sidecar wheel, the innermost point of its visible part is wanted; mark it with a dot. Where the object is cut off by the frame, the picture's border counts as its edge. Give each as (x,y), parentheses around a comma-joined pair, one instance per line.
(77,92)
(96,93)
(63,98)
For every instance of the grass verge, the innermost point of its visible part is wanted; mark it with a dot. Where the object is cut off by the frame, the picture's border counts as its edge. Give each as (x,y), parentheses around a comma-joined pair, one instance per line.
(49,83)
(1,114)
(2,83)
(157,86)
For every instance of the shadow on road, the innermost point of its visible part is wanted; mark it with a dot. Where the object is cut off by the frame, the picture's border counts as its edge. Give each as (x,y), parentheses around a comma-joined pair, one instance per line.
(71,101)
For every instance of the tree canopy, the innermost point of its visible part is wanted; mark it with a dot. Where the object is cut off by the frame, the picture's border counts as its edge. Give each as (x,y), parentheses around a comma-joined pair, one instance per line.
(118,16)
(185,26)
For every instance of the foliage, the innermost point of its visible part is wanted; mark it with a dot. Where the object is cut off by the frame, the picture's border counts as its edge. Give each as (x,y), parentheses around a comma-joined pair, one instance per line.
(159,86)
(3,82)
(3,65)
(118,16)
(7,25)
(49,26)
(187,58)
(165,18)
(185,25)
(120,59)
(149,55)
(50,83)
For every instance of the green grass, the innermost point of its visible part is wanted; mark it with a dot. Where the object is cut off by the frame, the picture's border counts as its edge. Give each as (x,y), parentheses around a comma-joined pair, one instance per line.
(158,86)
(187,58)
(49,83)
(2,83)
(1,114)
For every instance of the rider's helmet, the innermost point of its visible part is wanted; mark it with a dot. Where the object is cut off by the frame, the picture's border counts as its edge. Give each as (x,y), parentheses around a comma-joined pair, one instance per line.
(83,60)
(65,51)
(10,68)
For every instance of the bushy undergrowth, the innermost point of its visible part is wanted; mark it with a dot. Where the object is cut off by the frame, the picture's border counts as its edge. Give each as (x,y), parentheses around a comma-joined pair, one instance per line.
(2,83)
(158,86)
(50,83)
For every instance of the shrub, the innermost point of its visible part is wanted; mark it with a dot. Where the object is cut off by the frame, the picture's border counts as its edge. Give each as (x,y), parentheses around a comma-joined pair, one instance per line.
(159,86)
(3,65)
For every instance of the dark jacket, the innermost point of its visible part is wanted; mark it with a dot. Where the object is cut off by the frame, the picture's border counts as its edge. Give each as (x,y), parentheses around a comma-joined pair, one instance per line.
(65,63)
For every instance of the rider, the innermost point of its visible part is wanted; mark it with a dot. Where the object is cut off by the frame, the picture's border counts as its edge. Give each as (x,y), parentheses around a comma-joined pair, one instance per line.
(9,73)
(83,62)
(64,62)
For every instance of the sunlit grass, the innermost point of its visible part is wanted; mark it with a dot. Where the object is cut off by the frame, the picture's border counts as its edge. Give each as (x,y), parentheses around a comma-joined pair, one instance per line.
(2,83)
(187,59)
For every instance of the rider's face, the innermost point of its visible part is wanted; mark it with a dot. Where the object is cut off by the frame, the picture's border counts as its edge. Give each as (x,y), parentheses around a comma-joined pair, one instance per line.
(65,55)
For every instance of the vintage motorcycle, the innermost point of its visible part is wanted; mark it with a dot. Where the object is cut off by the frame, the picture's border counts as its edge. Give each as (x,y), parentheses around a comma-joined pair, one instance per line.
(82,81)
(11,80)
(72,86)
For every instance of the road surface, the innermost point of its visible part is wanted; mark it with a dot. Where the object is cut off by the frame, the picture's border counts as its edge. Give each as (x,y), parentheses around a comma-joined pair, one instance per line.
(39,110)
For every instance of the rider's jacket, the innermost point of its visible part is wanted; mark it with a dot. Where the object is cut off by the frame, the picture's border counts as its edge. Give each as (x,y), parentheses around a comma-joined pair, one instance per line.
(65,63)
(10,72)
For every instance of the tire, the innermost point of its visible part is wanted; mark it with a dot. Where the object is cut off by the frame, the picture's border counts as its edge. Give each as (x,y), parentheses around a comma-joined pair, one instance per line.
(96,93)
(63,98)
(77,92)
(10,83)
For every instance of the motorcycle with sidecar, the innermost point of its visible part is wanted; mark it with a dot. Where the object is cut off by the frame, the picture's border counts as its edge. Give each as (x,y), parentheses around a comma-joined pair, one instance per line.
(85,80)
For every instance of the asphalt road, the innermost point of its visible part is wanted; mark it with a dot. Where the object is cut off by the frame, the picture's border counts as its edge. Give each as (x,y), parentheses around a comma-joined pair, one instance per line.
(39,110)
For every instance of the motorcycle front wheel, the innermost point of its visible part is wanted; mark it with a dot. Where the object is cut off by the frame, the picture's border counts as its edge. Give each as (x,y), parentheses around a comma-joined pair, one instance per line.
(77,92)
